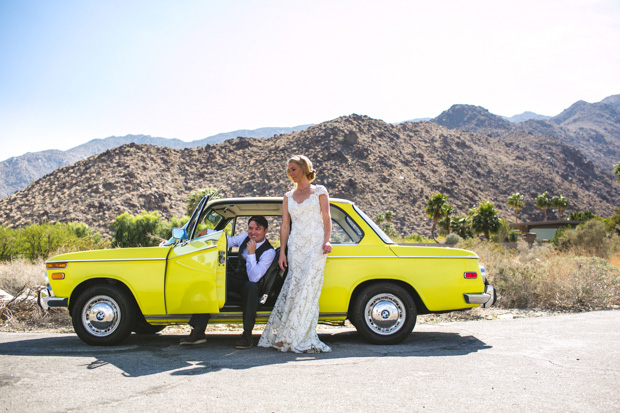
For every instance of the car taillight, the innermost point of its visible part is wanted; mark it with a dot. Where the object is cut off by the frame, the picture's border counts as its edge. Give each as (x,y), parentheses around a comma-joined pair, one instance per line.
(470,275)
(53,265)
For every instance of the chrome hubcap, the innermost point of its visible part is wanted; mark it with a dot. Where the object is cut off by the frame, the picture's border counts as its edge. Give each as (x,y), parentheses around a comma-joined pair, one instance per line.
(101,316)
(385,314)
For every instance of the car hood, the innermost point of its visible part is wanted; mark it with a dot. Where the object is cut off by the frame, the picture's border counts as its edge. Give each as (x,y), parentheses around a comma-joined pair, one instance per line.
(144,253)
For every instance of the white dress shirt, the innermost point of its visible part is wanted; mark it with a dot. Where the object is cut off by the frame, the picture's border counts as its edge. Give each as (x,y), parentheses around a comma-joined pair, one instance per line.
(255,269)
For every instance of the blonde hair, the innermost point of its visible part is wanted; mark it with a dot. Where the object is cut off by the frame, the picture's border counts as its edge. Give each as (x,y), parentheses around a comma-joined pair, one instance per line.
(305,165)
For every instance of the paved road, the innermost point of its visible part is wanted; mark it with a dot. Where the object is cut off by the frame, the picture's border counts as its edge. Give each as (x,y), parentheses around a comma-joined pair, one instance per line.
(555,363)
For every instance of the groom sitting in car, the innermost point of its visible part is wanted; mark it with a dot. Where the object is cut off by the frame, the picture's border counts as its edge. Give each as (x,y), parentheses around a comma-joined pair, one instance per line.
(255,257)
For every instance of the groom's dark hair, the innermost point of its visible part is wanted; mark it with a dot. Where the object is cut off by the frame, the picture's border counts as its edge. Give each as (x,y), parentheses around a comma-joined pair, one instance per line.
(260,221)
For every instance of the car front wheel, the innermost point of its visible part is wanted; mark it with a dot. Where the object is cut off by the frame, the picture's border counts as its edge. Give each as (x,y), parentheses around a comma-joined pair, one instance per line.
(384,313)
(103,315)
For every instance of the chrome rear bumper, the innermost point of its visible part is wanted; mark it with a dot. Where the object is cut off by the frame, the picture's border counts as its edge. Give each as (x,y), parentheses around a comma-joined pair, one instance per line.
(46,300)
(485,299)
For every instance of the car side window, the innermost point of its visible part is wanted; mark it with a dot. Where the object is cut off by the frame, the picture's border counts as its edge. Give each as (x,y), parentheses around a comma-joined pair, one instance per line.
(344,228)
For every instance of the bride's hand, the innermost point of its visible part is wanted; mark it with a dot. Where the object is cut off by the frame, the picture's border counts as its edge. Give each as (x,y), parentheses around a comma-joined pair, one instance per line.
(282,262)
(327,247)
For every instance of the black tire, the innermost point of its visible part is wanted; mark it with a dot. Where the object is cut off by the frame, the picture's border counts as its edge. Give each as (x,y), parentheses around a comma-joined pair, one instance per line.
(143,327)
(104,315)
(384,313)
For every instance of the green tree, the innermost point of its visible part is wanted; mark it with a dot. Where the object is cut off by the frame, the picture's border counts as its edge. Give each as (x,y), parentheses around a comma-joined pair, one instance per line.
(434,210)
(582,216)
(617,172)
(543,202)
(43,240)
(446,219)
(195,196)
(484,219)
(142,230)
(389,216)
(515,201)
(8,244)
(460,226)
(612,224)
(560,203)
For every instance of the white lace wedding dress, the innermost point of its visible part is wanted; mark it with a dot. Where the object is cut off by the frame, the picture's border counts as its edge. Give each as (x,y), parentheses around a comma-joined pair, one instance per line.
(295,315)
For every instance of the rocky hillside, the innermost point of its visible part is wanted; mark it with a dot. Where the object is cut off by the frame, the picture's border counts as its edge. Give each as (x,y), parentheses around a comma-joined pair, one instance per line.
(18,172)
(378,165)
(592,128)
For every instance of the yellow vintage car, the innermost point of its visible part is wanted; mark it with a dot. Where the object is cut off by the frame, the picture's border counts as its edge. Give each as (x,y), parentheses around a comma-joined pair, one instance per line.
(378,285)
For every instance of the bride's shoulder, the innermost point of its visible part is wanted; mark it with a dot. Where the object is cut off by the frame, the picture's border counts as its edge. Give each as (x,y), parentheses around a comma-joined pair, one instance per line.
(320,190)
(289,193)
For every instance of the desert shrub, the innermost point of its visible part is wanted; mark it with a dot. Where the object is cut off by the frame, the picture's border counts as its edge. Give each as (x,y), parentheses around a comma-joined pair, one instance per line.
(195,196)
(15,275)
(588,239)
(141,230)
(417,238)
(8,244)
(40,241)
(502,233)
(452,239)
(612,224)
(582,283)
(542,277)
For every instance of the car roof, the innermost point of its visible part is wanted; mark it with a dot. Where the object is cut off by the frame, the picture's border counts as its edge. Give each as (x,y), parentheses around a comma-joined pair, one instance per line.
(254,205)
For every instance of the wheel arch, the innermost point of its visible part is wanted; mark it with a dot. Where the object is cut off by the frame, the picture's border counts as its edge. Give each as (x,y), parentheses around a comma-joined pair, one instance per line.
(420,306)
(97,281)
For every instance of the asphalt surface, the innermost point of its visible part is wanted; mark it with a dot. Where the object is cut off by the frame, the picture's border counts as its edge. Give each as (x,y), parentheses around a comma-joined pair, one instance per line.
(555,363)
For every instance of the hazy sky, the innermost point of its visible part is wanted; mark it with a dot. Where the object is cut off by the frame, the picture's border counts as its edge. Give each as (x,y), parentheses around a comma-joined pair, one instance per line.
(71,71)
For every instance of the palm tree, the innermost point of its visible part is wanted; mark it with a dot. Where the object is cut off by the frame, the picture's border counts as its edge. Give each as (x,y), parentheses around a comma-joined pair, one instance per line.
(560,203)
(444,222)
(460,226)
(542,202)
(434,210)
(484,219)
(389,216)
(617,172)
(516,201)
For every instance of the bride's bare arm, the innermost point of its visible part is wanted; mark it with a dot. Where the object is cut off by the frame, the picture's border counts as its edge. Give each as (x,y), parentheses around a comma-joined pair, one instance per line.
(285,229)
(327,223)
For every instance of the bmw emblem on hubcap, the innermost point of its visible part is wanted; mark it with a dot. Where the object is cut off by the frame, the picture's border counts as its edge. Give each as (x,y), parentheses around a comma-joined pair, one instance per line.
(385,314)
(100,316)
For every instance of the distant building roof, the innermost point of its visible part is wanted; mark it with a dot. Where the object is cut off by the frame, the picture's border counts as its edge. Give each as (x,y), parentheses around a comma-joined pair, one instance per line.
(525,227)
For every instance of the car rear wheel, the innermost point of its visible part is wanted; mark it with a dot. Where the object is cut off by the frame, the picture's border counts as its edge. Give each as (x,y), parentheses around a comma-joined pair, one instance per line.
(104,315)
(384,313)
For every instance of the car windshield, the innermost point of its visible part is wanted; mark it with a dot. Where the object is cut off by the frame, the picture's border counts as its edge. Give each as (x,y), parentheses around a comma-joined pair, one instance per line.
(374,226)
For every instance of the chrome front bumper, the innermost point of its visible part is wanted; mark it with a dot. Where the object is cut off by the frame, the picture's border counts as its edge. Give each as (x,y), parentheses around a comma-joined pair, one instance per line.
(46,300)
(485,299)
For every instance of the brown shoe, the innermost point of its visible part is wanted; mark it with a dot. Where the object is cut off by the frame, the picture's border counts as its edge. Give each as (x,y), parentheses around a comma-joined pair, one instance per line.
(195,337)
(245,341)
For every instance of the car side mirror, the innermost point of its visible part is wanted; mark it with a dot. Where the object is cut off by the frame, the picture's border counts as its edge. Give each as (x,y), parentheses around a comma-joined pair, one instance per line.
(179,233)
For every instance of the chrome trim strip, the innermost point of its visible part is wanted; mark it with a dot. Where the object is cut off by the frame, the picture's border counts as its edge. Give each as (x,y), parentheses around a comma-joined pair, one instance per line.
(111,259)
(405,256)
(224,316)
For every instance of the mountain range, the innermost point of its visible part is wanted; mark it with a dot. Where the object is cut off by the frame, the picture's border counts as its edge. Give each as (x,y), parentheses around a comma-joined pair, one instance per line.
(18,172)
(592,128)
(465,153)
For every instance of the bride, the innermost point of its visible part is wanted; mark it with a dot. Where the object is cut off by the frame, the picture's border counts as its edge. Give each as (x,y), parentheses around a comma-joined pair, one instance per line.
(306,230)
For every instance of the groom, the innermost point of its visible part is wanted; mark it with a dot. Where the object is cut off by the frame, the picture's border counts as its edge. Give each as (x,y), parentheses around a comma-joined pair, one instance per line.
(255,257)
